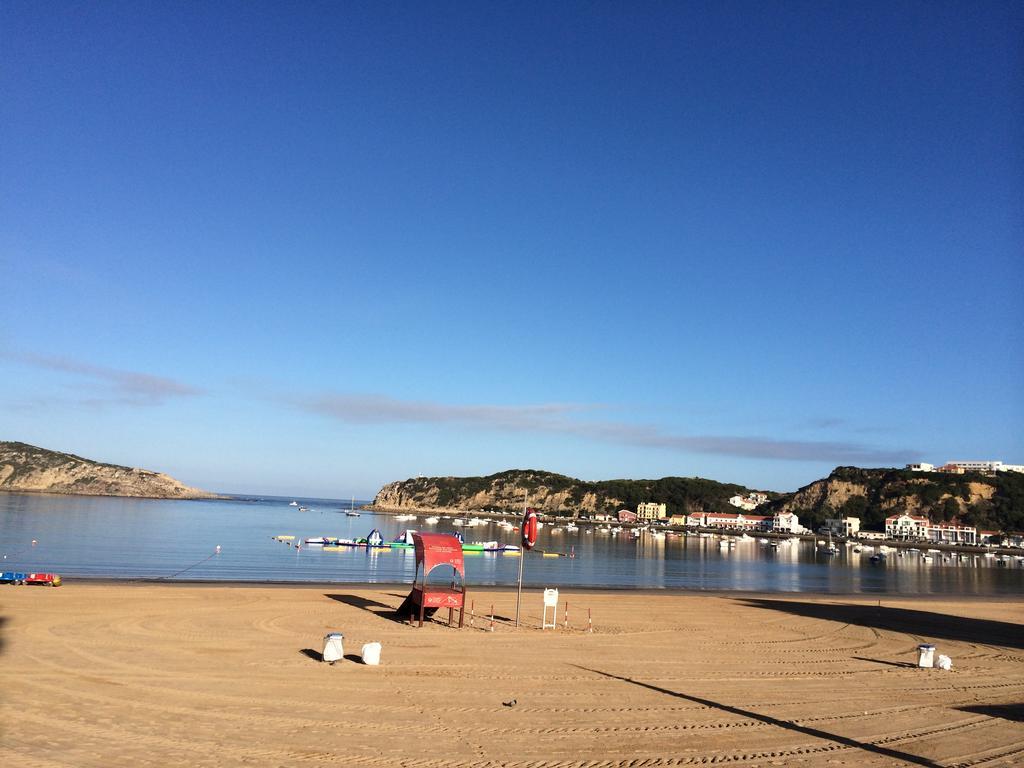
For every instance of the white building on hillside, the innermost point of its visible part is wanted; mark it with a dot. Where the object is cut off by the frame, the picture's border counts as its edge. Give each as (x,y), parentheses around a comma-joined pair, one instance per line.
(921,467)
(751,501)
(977,466)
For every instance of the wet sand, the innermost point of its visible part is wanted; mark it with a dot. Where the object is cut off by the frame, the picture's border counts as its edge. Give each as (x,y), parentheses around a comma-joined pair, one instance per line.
(109,674)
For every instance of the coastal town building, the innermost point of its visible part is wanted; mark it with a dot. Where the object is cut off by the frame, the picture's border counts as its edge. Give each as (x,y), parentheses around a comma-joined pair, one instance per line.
(921,467)
(951,533)
(906,527)
(627,516)
(651,511)
(786,522)
(998,537)
(677,520)
(915,528)
(871,536)
(728,520)
(842,526)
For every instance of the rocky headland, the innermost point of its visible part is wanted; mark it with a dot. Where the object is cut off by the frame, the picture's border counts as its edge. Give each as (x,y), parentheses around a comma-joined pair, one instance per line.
(555,494)
(28,469)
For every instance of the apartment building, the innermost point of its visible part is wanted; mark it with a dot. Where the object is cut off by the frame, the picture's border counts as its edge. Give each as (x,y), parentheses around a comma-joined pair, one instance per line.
(906,527)
(649,510)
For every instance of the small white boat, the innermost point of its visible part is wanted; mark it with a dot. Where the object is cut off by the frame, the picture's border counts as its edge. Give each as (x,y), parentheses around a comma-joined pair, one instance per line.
(432,520)
(294,504)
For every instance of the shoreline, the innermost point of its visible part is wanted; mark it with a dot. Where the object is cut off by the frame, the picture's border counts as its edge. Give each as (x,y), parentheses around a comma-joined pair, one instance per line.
(972,549)
(501,588)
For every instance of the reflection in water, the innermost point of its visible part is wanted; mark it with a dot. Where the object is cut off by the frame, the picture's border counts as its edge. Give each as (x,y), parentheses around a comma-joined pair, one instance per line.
(130,538)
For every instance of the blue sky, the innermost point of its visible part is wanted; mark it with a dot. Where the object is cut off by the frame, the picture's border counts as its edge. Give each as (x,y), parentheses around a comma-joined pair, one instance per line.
(313,248)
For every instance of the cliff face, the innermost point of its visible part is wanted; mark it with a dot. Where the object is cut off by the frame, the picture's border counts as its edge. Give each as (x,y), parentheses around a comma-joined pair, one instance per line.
(28,468)
(505,492)
(554,494)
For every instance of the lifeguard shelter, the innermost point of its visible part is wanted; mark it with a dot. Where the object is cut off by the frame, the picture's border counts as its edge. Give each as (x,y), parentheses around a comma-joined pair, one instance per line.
(436,550)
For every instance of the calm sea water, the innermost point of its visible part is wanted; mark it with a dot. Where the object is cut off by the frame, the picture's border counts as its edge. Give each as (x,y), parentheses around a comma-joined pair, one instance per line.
(175,540)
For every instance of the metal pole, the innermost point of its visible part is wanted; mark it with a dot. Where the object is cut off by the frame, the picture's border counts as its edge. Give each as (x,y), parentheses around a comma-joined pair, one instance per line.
(519,592)
(522,556)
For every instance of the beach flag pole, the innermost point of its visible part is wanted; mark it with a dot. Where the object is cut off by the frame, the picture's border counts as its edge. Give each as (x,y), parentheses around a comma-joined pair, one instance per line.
(522,556)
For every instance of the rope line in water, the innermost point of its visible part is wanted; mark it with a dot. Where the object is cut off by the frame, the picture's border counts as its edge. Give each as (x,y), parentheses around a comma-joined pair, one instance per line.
(194,565)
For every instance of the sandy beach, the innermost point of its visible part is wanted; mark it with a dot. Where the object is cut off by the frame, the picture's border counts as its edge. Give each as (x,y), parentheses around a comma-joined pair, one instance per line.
(108,674)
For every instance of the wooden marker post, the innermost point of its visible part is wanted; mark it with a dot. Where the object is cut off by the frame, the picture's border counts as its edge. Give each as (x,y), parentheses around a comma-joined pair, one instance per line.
(565,623)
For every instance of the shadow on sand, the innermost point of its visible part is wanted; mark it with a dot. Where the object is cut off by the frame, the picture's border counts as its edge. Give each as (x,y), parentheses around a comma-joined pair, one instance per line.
(372,606)
(309,653)
(1013,712)
(913,622)
(845,741)
(904,664)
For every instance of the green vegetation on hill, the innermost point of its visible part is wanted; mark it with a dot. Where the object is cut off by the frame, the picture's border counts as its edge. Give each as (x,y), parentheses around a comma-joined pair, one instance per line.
(984,501)
(559,494)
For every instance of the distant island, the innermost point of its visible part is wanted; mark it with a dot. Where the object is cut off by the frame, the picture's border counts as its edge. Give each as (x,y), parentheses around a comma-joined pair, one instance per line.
(994,501)
(28,469)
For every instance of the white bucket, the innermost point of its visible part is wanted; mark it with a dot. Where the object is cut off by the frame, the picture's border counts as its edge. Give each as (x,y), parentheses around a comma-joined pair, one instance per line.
(926,656)
(371,654)
(334,647)
(944,662)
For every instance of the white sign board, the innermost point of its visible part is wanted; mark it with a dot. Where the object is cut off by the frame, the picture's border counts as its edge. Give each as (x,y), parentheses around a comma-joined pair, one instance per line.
(550,598)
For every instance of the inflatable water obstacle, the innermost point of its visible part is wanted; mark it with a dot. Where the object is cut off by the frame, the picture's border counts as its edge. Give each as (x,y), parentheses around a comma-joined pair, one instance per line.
(405,541)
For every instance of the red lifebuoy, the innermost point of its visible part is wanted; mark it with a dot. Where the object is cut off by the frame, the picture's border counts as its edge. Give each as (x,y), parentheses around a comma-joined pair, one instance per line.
(529,529)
